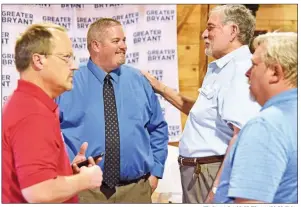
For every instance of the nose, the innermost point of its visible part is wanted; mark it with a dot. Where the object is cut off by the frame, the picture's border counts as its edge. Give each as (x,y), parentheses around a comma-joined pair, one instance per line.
(123,46)
(73,65)
(205,34)
(248,73)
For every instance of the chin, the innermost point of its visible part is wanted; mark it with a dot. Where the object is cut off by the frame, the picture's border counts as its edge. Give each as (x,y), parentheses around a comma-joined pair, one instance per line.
(69,86)
(208,52)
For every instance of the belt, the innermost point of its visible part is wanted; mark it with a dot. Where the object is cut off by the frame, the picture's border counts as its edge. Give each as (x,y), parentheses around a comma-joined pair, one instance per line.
(108,192)
(193,161)
(127,182)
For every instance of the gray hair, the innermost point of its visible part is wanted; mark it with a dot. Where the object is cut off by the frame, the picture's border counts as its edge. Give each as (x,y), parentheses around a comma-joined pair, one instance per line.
(242,17)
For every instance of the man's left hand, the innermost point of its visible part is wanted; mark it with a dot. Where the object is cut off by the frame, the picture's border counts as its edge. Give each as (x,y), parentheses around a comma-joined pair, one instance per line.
(153,181)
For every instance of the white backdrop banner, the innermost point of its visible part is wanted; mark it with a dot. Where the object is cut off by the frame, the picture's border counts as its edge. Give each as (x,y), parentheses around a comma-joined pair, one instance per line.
(151,32)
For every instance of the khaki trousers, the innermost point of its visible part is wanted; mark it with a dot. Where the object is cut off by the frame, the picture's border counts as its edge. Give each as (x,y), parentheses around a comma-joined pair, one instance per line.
(196,187)
(133,193)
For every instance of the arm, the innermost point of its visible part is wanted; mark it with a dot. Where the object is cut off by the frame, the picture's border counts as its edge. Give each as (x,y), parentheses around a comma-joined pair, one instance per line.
(62,188)
(158,131)
(182,103)
(210,196)
(36,163)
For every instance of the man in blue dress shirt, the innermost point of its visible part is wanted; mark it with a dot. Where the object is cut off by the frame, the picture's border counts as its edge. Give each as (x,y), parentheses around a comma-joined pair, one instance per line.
(142,136)
(262,165)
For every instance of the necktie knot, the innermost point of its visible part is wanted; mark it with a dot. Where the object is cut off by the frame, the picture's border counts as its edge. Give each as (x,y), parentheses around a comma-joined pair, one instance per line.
(108,78)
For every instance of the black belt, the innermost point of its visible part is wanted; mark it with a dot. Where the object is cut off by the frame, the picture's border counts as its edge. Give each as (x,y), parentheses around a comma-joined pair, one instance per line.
(108,192)
(127,182)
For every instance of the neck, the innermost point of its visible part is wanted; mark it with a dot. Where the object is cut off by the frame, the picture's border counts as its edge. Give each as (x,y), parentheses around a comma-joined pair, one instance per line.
(35,79)
(102,65)
(232,46)
(276,91)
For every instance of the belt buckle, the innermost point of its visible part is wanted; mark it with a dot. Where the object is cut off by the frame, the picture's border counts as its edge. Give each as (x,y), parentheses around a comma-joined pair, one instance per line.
(181,161)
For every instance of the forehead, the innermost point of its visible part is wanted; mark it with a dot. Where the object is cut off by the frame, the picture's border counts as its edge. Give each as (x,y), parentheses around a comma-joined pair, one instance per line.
(257,56)
(62,42)
(114,31)
(215,18)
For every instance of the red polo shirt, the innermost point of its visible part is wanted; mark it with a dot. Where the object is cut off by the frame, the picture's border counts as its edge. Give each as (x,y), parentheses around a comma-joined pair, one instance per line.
(32,147)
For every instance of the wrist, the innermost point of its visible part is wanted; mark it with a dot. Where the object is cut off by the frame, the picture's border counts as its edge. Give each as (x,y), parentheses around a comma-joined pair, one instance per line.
(163,89)
(214,189)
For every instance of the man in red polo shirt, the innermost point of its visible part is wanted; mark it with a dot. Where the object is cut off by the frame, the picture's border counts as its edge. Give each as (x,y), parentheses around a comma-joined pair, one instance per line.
(35,166)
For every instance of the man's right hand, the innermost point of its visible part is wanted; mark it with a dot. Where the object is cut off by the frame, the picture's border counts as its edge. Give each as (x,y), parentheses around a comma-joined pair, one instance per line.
(157,85)
(93,176)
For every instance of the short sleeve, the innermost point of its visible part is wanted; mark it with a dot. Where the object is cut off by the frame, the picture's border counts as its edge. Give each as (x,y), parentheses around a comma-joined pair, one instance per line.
(259,162)
(235,104)
(36,149)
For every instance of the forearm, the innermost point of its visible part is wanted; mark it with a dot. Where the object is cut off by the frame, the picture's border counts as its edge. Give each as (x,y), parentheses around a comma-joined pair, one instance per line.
(182,103)
(55,190)
(232,141)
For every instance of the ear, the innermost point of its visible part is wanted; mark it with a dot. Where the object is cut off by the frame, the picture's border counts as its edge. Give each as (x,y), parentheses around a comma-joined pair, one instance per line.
(277,73)
(95,45)
(234,32)
(38,61)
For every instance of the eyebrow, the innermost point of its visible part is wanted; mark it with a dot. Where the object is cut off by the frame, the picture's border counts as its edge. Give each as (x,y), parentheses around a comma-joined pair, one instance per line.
(117,38)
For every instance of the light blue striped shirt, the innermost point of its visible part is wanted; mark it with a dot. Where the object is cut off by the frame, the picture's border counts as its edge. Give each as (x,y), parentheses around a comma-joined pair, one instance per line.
(262,164)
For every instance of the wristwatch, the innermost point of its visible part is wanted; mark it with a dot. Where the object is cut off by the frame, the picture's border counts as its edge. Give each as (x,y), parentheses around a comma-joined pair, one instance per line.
(214,190)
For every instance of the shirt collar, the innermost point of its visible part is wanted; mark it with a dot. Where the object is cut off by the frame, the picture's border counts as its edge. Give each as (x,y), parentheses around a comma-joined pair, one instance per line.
(281,97)
(239,52)
(100,74)
(37,92)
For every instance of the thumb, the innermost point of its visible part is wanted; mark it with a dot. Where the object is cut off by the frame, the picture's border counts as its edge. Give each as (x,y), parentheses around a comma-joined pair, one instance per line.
(83,148)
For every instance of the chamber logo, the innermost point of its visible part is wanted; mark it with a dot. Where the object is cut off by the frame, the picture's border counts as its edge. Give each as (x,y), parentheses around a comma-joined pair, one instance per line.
(126,19)
(4,38)
(8,59)
(97,6)
(71,6)
(160,15)
(79,42)
(132,58)
(62,21)
(161,54)
(6,81)
(153,35)
(84,22)
(173,130)
(16,17)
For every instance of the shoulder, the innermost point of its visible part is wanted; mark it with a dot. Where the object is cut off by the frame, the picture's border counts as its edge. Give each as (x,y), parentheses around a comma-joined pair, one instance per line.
(130,71)
(135,73)
(137,78)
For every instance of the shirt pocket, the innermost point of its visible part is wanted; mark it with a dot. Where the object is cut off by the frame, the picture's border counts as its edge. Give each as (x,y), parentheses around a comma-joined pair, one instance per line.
(208,95)
(209,91)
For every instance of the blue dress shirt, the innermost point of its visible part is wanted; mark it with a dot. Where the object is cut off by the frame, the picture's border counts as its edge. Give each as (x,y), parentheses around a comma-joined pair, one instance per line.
(143,130)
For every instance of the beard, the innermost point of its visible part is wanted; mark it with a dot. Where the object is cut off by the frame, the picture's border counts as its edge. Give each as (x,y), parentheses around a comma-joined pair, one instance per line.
(208,51)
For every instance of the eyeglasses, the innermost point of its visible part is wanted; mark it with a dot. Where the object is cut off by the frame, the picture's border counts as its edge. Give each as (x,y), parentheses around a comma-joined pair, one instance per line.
(67,58)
